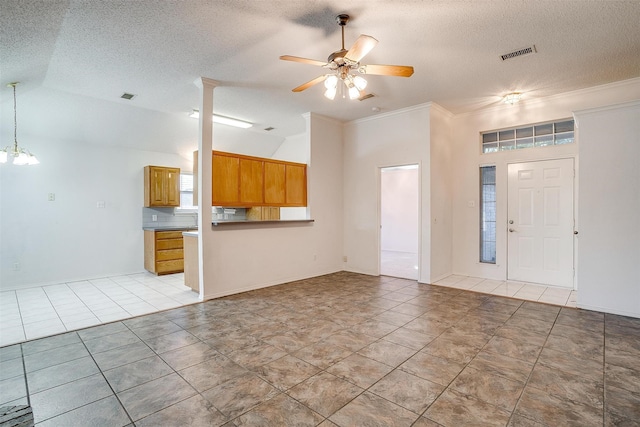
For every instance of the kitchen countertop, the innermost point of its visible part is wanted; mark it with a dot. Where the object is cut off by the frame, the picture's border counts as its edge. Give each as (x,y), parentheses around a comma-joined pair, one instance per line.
(271,222)
(261,222)
(161,228)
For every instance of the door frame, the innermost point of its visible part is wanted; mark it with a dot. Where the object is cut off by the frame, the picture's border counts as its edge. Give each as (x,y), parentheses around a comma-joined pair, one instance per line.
(379,169)
(574,159)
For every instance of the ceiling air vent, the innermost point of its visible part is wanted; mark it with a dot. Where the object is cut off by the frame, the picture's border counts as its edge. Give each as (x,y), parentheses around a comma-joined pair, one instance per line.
(367,96)
(127,96)
(270,128)
(520,52)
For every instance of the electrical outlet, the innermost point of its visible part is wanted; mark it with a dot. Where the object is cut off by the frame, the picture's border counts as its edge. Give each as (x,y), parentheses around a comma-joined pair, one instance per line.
(52,197)
(100,204)
(154,218)
(16,266)
(344,258)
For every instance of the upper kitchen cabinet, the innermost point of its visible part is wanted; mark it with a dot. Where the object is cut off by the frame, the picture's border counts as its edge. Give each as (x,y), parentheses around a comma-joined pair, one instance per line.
(244,181)
(161,186)
(225,177)
(296,185)
(251,181)
(275,184)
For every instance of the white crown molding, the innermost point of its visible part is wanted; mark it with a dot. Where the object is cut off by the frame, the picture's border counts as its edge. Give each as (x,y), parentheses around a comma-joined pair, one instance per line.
(424,106)
(634,82)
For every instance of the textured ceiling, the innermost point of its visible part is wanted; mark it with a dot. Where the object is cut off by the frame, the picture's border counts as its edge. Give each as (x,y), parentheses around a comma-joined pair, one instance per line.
(89,52)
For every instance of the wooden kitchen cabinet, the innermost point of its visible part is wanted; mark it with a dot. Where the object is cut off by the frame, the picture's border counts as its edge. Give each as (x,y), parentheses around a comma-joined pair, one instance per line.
(251,181)
(274,183)
(225,178)
(263,213)
(161,186)
(296,185)
(245,181)
(163,251)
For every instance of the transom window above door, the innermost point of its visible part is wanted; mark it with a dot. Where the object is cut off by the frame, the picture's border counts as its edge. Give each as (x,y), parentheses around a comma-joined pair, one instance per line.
(540,135)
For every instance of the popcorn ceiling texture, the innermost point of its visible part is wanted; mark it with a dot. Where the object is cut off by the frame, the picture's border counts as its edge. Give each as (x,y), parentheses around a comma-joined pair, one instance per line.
(157,49)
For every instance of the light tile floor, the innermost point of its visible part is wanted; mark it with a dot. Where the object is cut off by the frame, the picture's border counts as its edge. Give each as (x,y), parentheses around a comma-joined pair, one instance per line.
(520,290)
(405,265)
(337,350)
(48,310)
(399,264)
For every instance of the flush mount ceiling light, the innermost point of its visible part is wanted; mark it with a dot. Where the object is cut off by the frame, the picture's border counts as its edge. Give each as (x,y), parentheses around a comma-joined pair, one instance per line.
(343,63)
(512,98)
(224,120)
(21,156)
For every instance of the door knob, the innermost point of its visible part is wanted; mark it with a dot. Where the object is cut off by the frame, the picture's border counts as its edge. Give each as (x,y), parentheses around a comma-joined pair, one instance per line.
(511,230)
(575,232)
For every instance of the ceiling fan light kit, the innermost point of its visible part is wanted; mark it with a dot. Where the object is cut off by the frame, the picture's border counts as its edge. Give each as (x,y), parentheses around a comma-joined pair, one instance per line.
(343,63)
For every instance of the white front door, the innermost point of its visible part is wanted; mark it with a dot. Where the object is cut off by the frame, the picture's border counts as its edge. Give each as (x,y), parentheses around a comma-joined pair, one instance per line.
(540,222)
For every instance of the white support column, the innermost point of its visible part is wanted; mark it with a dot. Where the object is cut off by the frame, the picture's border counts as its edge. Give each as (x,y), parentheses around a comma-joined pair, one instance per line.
(205,146)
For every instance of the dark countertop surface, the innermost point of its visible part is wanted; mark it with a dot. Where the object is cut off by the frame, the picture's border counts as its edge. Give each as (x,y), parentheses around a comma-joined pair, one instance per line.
(168,228)
(261,222)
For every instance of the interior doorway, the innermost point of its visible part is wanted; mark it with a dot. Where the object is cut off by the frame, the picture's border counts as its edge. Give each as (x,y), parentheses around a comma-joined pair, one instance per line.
(399,214)
(540,229)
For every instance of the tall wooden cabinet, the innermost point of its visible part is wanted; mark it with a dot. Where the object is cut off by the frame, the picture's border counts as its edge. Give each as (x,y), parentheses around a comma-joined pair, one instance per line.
(161,186)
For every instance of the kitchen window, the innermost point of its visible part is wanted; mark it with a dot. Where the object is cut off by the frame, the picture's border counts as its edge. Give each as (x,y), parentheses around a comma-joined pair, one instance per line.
(186,192)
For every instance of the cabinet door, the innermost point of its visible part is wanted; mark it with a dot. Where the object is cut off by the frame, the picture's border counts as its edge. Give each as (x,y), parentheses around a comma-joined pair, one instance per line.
(172,187)
(251,181)
(274,179)
(296,185)
(156,186)
(225,180)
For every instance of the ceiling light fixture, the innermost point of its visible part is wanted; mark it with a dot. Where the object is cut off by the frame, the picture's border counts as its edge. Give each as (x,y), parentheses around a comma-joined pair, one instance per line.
(512,98)
(224,120)
(20,156)
(353,84)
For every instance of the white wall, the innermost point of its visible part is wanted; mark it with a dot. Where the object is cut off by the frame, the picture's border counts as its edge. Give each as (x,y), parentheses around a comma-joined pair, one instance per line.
(468,158)
(399,193)
(440,206)
(245,257)
(609,203)
(392,139)
(70,238)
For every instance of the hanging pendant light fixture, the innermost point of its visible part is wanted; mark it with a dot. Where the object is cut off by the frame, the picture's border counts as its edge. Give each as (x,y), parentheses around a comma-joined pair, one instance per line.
(20,156)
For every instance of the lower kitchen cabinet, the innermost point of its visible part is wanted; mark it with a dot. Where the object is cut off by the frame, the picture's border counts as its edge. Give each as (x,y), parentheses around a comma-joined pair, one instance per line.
(263,213)
(163,251)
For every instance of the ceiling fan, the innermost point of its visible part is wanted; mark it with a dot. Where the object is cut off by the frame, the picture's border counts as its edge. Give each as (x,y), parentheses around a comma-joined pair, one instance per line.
(343,62)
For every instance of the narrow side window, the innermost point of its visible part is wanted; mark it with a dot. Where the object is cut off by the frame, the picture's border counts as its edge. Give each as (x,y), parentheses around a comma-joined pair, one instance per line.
(488,214)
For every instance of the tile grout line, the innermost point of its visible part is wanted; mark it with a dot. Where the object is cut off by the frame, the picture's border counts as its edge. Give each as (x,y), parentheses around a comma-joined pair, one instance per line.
(532,369)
